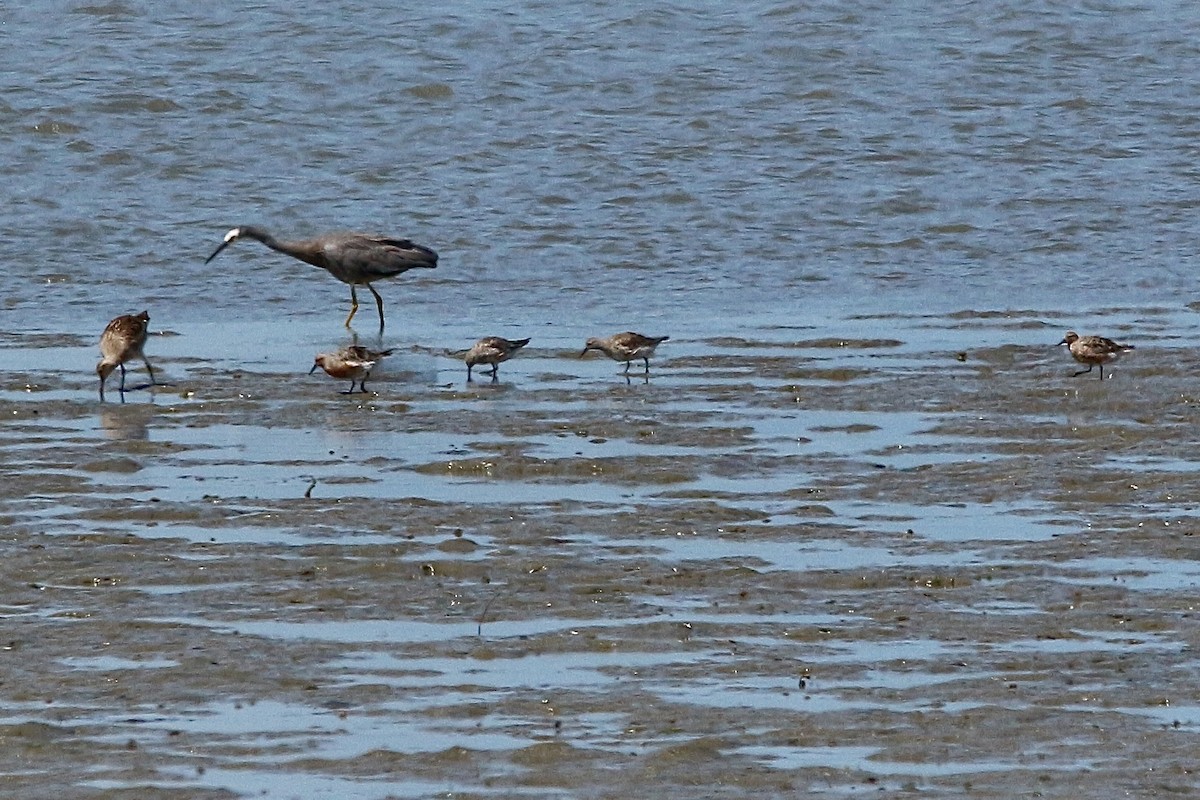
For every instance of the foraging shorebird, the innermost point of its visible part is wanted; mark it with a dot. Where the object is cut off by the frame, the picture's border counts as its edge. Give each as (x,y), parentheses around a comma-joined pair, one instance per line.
(492,350)
(360,353)
(123,339)
(357,259)
(354,362)
(1093,351)
(628,346)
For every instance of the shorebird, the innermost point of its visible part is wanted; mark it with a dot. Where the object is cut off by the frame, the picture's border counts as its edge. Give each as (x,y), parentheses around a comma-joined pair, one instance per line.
(360,353)
(1093,351)
(354,258)
(122,340)
(492,350)
(628,346)
(354,362)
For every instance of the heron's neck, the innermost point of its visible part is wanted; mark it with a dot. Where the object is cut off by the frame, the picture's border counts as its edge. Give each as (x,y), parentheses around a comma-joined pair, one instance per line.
(308,251)
(258,234)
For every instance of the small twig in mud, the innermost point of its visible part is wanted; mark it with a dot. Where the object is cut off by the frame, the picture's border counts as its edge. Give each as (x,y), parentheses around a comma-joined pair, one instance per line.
(312,484)
(483,614)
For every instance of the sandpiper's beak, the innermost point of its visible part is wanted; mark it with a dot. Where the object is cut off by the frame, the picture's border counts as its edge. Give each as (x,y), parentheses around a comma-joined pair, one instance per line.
(103,371)
(1064,341)
(584,353)
(314,369)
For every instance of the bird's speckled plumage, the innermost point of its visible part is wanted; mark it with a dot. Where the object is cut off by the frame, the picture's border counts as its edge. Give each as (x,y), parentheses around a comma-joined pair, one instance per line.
(493,350)
(1093,351)
(357,352)
(357,259)
(123,339)
(627,346)
(354,362)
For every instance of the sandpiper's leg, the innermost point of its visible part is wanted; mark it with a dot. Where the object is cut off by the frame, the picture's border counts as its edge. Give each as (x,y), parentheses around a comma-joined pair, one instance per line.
(363,385)
(647,360)
(353,305)
(351,389)
(378,303)
(495,371)
(1101,372)
(122,389)
(469,373)
(150,369)
(1083,371)
(626,367)
(102,389)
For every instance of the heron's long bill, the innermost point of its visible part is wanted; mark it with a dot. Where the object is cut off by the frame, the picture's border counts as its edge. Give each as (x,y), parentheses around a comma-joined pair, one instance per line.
(217,252)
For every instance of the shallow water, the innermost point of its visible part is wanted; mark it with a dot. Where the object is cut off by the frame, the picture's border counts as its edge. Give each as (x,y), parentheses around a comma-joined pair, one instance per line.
(515,588)
(857,530)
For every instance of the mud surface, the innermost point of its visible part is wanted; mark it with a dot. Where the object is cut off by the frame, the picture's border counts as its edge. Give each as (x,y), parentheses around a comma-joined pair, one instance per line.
(789,566)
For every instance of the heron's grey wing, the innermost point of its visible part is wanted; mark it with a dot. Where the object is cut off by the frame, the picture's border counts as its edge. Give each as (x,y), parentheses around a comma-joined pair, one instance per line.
(362,259)
(408,251)
(399,244)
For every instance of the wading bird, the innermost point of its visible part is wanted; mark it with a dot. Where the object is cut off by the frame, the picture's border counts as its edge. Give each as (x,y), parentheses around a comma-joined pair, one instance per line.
(357,259)
(1093,351)
(357,351)
(492,350)
(628,346)
(354,362)
(122,340)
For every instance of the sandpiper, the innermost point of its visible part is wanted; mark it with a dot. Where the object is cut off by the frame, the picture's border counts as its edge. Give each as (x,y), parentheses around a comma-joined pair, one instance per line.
(359,353)
(354,362)
(1093,351)
(628,346)
(492,350)
(122,340)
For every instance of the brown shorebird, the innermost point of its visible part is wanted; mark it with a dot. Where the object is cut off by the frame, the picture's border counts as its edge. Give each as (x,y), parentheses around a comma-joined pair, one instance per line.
(628,346)
(122,340)
(492,350)
(360,353)
(354,258)
(354,362)
(1093,351)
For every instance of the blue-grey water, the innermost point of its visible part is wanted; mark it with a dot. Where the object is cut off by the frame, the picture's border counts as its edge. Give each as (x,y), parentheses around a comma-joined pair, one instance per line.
(701,167)
(859,529)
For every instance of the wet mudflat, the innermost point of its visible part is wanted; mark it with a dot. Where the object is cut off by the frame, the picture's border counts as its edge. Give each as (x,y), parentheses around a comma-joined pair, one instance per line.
(860,533)
(790,565)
